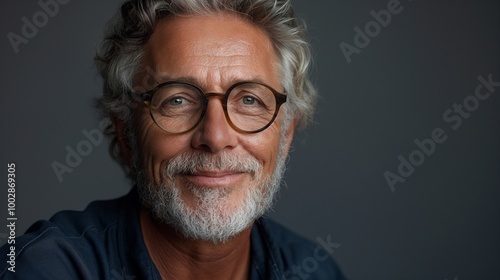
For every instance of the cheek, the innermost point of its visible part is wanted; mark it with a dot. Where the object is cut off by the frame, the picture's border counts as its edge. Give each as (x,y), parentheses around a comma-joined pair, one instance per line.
(157,147)
(265,147)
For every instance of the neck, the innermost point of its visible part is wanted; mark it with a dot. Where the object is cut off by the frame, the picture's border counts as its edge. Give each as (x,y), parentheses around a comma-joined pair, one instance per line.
(177,257)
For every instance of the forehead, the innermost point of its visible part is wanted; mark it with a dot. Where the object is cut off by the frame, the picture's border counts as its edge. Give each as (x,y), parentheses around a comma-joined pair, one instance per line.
(210,49)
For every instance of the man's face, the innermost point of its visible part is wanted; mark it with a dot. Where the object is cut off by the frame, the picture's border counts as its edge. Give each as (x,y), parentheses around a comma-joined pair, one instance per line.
(213,52)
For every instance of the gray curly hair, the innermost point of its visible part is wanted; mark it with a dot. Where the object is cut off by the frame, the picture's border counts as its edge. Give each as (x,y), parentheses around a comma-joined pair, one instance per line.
(119,55)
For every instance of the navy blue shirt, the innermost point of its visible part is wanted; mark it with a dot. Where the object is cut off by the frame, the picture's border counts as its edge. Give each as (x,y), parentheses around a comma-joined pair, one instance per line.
(105,242)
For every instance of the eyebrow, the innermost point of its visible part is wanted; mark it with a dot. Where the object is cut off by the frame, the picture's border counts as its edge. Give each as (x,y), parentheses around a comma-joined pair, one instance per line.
(193,80)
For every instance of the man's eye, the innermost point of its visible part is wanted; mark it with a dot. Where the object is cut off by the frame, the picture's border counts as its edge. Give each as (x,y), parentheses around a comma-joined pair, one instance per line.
(176,101)
(248,100)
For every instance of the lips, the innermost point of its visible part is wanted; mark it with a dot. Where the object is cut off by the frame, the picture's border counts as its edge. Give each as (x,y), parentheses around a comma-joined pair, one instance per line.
(216,179)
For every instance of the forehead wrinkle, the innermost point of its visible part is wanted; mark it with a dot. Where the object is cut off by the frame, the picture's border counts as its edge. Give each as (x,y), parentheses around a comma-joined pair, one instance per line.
(213,64)
(216,73)
(228,49)
(212,56)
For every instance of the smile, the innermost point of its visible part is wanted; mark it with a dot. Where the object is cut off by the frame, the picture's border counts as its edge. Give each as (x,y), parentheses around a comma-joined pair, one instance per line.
(215,179)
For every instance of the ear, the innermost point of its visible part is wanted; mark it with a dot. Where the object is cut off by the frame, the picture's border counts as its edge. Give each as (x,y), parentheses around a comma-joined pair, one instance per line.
(289,135)
(125,150)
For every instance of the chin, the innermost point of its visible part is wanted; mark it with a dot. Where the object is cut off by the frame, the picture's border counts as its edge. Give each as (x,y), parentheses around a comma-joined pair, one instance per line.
(210,214)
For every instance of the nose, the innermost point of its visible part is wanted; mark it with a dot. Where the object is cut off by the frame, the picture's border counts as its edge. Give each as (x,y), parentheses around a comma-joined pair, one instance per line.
(214,134)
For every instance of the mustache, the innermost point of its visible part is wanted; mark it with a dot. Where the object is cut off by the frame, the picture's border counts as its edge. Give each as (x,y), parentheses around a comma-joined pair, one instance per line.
(194,162)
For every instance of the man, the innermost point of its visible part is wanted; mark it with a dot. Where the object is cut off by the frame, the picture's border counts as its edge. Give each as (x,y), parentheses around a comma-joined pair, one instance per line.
(204,97)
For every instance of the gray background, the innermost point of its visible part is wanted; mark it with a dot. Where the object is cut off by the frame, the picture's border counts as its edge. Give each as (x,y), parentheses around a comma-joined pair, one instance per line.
(443,222)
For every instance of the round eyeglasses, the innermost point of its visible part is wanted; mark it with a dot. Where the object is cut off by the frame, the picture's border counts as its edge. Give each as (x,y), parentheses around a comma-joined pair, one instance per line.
(178,107)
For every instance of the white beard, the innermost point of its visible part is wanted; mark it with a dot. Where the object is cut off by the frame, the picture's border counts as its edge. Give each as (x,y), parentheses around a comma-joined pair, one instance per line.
(215,217)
